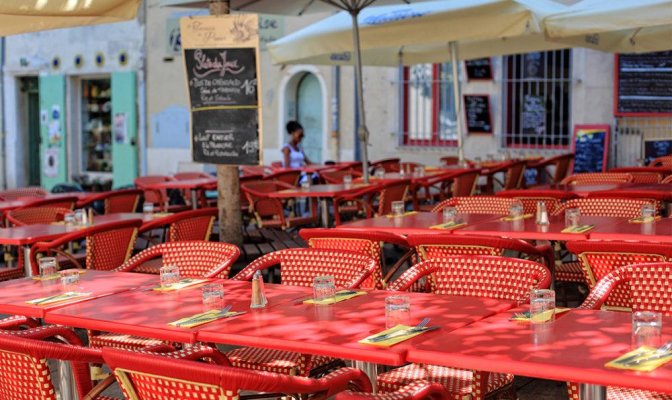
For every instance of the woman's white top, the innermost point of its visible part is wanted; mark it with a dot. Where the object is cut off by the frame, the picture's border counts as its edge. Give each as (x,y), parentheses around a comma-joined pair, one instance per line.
(296,157)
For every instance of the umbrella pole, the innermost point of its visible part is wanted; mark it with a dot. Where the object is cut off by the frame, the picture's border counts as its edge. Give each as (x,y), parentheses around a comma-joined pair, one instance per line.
(359,87)
(457,100)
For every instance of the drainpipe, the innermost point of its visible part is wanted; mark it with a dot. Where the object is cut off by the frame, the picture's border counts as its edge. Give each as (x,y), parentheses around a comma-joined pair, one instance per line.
(3,125)
(335,114)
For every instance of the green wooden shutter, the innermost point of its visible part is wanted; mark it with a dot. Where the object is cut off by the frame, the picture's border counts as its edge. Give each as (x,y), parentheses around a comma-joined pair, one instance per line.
(124,129)
(53,157)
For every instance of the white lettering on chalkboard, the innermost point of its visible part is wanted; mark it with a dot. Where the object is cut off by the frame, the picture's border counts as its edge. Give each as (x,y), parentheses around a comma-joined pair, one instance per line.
(251,146)
(206,66)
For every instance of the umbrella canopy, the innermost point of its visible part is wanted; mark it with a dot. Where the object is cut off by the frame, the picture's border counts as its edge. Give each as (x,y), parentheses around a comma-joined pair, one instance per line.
(21,16)
(617,26)
(286,7)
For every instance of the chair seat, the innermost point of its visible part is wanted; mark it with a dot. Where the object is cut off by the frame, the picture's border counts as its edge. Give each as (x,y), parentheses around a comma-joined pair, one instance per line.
(570,272)
(150,267)
(457,381)
(282,362)
(618,393)
(120,341)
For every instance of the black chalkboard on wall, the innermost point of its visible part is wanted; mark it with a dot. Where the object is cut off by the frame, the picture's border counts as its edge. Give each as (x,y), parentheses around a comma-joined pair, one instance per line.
(225,136)
(643,84)
(477,111)
(590,147)
(480,68)
(654,148)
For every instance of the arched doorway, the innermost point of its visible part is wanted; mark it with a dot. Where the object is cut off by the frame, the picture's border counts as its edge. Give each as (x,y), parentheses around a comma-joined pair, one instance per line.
(310,113)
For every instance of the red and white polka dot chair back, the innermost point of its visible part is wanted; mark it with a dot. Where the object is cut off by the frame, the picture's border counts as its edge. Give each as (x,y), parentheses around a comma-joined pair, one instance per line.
(667,179)
(37,215)
(298,267)
(122,201)
(646,177)
(477,205)
(195,259)
(68,202)
(396,191)
(418,390)
(530,204)
(152,196)
(484,276)
(264,207)
(192,225)
(598,259)
(388,164)
(290,177)
(13,194)
(664,161)
(597,178)
(156,377)
(605,207)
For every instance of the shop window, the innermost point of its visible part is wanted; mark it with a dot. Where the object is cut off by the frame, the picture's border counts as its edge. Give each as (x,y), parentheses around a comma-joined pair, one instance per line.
(428,106)
(96,125)
(537,92)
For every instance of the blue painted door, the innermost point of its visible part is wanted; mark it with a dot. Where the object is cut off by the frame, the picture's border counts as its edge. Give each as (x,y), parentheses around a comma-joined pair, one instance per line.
(309,110)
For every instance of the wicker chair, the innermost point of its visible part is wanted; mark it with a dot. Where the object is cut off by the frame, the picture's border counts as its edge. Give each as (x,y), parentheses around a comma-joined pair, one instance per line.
(605,207)
(650,289)
(514,172)
(157,197)
(335,176)
(298,267)
(31,191)
(446,185)
(150,375)
(484,276)
(646,177)
(530,198)
(560,166)
(417,390)
(290,177)
(68,202)
(597,178)
(270,212)
(122,201)
(373,200)
(37,215)
(388,164)
(667,179)
(477,205)
(107,245)
(370,243)
(449,160)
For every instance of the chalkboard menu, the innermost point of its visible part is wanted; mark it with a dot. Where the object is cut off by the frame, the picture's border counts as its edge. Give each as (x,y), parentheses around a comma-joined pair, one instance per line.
(478,69)
(590,147)
(477,110)
(644,83)
(654,148)
(221,56)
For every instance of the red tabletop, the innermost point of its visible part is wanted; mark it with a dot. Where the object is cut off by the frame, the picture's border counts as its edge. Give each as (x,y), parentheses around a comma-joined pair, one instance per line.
(574,347)
(658,231)
(7,205)
(528,229)
(417,223)
(658,191)
(577,190)
(148,312)
(200,183)
(16,292)
(334,330)
(329,190)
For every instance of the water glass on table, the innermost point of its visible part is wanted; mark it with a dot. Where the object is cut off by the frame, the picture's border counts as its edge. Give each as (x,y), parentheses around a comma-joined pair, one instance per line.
(324,287)
(647,328)
(48,267)
(648,211)
(398,208)
(81,218)
(69,219)
(213,296)
(516,210)
(169,275)
(379,173)
(572,217)
(148,208)
(542,305)
(397,311)
(449,215)
(69,278)
(347,180)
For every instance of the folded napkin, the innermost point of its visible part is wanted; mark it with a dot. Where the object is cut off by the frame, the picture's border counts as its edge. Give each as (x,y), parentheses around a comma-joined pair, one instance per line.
(204,318)
(520,218)
(545,316)
(641,220)
(184,283)
(402,215)
(340,296)
(55,276)
(644,359)
(43,301)
(161,214)
(396,335)
(449,225)
(578,229)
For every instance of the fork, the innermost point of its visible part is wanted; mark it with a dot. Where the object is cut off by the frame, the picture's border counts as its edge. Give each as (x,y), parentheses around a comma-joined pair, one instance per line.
(660,352)
(206,315)
(418,328)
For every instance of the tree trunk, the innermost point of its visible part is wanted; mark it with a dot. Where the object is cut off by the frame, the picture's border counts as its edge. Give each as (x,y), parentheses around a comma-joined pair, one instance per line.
(228,184)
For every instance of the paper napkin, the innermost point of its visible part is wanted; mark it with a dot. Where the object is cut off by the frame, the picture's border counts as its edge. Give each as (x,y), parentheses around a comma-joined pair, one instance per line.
(449,225)
(578,229)
(406,214)
(55,276)
(203,318)
(404,334)
(43,301)
(184,283)
(641,220)
(641,359)
(520,218)
(340,296)
(546,316)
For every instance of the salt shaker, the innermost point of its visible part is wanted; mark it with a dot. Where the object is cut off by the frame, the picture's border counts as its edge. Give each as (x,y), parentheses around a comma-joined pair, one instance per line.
(542,214)
(258,297)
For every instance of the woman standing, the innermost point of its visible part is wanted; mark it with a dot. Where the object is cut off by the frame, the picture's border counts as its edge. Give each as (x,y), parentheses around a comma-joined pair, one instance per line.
(294,157)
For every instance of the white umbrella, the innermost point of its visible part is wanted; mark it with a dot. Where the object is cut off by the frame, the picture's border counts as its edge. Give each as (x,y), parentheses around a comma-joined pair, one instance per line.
(617,26)
(425,32)
(21,16)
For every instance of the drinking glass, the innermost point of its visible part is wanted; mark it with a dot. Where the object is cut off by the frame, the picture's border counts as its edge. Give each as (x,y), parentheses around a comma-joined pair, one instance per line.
(646,328)
(305,185)
(419,171)
(477,162)
(449,214)
(398,208)
(397,311)
(148,208)
(324,287)
(572,217)
(69,277)
(648,211)
(516,210)
(213,296)
(48,267)
(80,217)
(69,219)
(347,180)
(379,173)
(169,275)
(542,305)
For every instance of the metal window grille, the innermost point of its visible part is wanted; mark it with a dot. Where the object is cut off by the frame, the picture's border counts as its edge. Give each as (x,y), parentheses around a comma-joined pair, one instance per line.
(428,106)
(631,135)
(536,101)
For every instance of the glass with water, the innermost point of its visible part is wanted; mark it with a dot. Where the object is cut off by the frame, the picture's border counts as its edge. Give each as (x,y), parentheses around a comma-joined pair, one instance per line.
(542,305)
(648,212)
(647,327)
(398,208)
(213,296)
(169,275)
(572,217)
(48,267)
(449,215)
(324,287)
(69,278)
(397,311)
(148,208)
(347,180)
(516,210)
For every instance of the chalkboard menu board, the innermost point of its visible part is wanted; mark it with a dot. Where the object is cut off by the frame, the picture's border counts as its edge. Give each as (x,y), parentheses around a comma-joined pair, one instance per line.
(221,56)
(654,148)
(644,83)
(478,69)
(477,110)
(590,147)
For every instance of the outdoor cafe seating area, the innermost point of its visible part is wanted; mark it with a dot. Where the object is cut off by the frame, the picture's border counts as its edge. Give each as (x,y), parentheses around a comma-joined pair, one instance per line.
(442,281)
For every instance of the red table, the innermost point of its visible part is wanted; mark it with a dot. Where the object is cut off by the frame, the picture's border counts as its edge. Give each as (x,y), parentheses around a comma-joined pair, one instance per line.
(147,312)
(660,231)
(575,347)
(417,223)
(7,205)
(16,292)
(657,191)
(577,190)
(187,184)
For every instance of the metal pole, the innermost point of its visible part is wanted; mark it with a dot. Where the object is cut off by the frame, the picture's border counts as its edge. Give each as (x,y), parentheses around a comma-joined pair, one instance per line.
(359,87)
(457,100)
(592,392)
